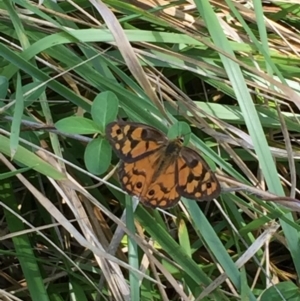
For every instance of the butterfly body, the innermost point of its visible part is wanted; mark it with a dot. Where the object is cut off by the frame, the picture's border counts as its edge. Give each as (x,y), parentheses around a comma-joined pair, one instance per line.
(167,156)
(157,170)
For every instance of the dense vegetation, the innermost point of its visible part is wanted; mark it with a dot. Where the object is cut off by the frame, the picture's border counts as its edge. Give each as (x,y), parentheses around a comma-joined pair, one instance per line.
(223,74)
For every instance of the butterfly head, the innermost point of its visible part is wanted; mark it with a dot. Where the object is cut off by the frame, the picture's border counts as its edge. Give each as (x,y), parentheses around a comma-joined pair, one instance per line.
(174,146)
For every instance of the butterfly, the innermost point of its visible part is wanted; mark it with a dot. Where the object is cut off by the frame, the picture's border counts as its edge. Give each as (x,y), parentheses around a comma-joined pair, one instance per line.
(157,170)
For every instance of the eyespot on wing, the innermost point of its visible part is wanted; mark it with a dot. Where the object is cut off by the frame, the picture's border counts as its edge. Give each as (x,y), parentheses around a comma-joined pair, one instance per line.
(162,193)
(139,179)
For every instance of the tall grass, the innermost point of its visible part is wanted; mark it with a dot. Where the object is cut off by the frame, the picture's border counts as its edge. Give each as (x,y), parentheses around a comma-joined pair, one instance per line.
(228,70)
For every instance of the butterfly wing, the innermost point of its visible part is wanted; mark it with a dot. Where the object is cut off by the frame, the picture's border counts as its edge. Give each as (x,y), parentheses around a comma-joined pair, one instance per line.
(138,178)
(162,192)
(195,179)
(133,141)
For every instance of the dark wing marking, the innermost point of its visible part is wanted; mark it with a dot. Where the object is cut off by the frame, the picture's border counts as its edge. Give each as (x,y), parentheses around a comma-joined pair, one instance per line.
(138,178)
(133,141)
(162,191)
(195,179)
(134,178)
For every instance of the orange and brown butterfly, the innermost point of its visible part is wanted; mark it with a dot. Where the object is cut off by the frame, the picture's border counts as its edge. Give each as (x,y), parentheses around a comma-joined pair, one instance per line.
(157,170)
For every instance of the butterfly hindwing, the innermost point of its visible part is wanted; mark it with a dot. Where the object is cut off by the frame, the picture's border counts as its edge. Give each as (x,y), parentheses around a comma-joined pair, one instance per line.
(133,141)
(135,176)
(162,192)
(195,179)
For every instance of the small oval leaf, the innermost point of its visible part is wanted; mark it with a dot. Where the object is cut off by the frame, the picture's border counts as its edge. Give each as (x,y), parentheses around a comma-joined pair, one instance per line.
(104,109)
(97,156)
(77,125)
(180,129)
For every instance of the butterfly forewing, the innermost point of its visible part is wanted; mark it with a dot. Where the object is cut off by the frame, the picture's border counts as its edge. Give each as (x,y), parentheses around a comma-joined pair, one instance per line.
(133,141)
(195,179)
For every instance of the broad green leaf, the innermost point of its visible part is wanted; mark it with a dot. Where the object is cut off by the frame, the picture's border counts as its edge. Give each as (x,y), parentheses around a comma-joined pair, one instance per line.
(77,125)
(286,290)
(104,109)
(97,156)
